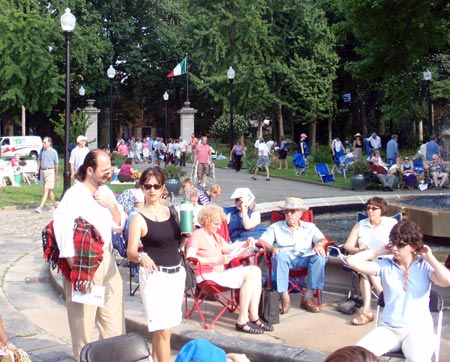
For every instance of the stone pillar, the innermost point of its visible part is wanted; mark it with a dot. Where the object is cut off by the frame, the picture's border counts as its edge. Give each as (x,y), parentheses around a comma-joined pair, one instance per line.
(187,121)
(91,114)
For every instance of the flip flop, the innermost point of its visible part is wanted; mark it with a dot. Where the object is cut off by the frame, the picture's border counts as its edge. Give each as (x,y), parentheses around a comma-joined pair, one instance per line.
(363,318)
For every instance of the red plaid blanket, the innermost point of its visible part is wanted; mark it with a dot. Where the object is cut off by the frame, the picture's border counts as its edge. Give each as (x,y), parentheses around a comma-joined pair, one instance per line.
(88,245)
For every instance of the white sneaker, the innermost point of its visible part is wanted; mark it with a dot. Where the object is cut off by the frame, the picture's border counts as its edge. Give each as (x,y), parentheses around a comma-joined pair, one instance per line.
(38,210)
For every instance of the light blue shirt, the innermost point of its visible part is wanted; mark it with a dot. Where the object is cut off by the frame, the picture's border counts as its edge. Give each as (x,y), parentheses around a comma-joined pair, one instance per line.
(392,150)
(300,241)
(406,308)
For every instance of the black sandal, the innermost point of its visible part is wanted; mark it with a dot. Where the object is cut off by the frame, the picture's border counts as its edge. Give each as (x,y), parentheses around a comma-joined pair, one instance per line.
(251,328)
(260,324)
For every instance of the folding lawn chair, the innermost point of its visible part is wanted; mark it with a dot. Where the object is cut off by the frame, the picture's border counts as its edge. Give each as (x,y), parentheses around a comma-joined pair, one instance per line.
(300,164)
(324,173)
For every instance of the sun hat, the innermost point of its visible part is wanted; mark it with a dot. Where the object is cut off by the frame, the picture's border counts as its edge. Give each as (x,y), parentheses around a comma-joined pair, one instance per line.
(201,350)
(294,203)
(244,193)
(357,135)
(304,135)
(81,138)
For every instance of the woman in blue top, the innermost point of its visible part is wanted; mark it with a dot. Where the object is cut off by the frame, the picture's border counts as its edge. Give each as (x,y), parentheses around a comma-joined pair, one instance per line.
(406,278)
(243,222)
(236,154)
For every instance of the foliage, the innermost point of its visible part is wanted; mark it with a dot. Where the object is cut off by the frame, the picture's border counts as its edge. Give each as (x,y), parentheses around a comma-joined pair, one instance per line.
(321,154)
(173,172)
(79,124)
(359,167)
(221,127)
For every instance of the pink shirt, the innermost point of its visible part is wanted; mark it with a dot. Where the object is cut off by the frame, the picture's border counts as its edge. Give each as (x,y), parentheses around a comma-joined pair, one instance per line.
(123,150)
(205,249)
(203,153)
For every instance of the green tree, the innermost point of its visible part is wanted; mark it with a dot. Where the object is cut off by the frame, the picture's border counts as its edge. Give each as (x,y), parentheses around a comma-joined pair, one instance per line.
(221,127)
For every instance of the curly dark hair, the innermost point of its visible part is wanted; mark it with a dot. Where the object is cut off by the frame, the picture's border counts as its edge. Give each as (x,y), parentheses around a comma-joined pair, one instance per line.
(378,202)
(407,232)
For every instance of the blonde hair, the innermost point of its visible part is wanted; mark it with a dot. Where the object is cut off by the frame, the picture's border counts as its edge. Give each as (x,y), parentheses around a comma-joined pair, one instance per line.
(210,213)
(187,183)
(216,189)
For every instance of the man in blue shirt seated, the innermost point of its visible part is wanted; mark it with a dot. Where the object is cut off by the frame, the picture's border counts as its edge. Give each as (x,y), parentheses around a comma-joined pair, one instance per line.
(296,244)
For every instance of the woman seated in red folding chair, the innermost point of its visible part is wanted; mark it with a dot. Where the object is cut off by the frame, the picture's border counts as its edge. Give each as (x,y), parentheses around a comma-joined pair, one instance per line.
(370,233)
(406,276)
(213,253)
(296,244)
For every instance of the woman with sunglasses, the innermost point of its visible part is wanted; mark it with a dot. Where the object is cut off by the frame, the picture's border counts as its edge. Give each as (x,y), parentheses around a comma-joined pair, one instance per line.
(407,171)
(406,278)
(370,233)
(161,276)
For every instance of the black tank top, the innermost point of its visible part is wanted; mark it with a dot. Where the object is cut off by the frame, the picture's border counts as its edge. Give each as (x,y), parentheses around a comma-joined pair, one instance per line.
(162,241)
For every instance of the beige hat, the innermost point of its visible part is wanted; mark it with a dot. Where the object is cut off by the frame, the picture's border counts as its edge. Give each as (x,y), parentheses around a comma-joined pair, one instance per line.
(294,203)
(357,135)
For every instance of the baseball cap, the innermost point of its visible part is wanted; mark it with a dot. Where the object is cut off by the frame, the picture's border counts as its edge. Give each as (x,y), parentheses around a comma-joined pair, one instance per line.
(304,135)
(81,138)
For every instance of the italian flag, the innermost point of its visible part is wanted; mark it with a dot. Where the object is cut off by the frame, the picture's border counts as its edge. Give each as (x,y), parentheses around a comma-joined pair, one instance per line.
(178,70)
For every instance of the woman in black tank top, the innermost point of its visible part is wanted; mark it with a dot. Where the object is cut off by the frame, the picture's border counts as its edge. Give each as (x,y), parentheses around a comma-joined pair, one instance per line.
(161,276)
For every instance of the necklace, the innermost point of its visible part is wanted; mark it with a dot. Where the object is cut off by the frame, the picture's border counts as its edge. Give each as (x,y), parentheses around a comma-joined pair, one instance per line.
(153,215)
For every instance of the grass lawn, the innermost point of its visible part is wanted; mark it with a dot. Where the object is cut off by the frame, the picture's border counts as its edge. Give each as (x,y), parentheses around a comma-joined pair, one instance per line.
(30,195)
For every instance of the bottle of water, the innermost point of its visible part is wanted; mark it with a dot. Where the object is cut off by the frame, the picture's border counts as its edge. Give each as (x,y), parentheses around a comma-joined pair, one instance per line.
(186,217)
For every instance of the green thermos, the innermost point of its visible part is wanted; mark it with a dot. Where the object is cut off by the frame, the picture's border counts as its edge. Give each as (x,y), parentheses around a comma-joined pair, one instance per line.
(186,217)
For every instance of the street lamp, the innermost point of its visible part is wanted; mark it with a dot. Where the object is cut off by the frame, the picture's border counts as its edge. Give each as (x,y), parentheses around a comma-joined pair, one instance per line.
(82,92)
(230,76)
(166,98)
(68,21)
(427,78)
(111,74)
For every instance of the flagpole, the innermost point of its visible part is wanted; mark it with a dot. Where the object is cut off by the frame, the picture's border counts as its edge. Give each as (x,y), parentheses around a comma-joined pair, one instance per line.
(187,79)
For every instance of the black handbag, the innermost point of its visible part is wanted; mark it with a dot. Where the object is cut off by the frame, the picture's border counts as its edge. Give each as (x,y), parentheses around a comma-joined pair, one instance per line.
(190,282)
(269,311)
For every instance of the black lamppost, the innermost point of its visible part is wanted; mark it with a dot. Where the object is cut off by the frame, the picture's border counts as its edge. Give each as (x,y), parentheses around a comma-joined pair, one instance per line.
(68,22)
(230,76)
(166,98)
(82,93)
(111,74)
(427,79)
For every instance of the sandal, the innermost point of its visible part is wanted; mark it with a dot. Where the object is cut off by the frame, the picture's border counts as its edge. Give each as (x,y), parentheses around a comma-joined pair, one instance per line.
(285,305)
(363,319)
(249,328)
(260,324)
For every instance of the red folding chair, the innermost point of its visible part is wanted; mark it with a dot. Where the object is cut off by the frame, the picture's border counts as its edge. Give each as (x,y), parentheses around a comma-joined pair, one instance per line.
(297,277)
(208,290)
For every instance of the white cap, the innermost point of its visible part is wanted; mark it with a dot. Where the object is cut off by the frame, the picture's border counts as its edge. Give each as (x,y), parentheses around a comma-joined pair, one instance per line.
(138,195)
(245,194)
(81,138)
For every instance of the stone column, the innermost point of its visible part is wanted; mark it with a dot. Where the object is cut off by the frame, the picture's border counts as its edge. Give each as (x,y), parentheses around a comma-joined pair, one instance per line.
(187,121)
(91,114)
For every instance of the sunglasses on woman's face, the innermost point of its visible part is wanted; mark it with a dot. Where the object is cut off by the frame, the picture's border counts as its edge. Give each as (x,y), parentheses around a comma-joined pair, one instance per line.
(372,208)
(397,245)
(150,186)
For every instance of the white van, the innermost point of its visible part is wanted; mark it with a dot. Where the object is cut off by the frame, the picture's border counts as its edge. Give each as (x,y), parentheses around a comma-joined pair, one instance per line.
(25,146)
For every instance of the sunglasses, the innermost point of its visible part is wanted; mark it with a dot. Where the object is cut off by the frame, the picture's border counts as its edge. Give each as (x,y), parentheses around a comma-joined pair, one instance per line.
(397,245)
(150,186)
(290,211)
(406,159)
(372,208)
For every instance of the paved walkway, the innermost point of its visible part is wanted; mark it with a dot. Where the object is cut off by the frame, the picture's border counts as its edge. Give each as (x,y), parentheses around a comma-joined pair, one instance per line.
(35,316)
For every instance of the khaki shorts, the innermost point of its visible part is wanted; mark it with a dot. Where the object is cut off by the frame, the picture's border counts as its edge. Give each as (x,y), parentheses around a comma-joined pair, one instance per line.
(48,178)
(203,169)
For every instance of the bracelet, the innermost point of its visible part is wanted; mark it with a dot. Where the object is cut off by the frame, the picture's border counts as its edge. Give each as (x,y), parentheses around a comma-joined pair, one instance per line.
(140,256)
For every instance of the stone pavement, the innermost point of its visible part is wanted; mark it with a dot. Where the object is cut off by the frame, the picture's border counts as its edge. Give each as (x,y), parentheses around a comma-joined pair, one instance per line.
(35,316)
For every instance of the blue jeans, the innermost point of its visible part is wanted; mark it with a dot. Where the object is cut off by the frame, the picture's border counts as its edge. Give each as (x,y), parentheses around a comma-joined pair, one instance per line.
(316,270)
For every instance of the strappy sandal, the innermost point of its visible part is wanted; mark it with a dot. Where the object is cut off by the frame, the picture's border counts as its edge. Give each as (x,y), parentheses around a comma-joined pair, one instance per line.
(260,324)
(249,328)
(363,318)
(285,305)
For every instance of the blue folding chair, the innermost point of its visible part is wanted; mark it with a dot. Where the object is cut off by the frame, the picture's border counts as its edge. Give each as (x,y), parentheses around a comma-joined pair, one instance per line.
(324,173)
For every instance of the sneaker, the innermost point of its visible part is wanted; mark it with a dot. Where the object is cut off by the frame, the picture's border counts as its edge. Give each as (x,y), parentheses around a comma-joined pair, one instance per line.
(297,173)
(38,210)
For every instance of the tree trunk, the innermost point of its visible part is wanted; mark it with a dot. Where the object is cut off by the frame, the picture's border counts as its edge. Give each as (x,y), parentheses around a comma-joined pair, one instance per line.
(312,135)
(280,122)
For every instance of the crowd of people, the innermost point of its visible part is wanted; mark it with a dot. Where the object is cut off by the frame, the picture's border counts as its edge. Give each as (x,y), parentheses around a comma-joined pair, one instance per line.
(390,257)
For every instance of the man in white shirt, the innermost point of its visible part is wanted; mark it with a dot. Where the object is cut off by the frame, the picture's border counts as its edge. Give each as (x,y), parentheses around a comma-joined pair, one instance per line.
(77,155)
(375,141)
(93,201)
(263,159)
